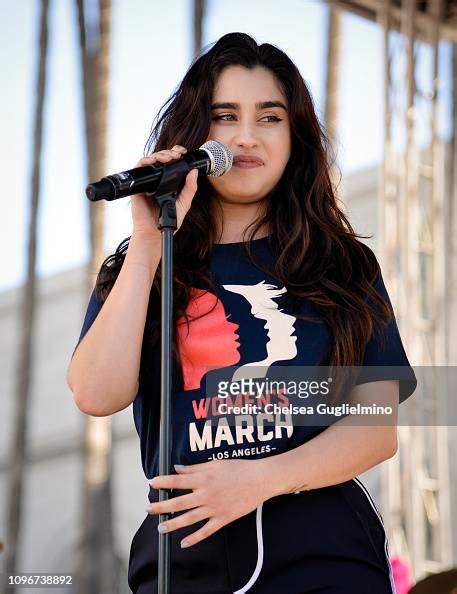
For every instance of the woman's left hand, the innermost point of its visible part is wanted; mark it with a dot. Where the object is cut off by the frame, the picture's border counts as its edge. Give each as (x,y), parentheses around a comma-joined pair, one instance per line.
(222,490)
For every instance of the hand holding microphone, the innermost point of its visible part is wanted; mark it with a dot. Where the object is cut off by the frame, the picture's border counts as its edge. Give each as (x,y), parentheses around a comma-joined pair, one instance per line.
(146,211)
(212,158)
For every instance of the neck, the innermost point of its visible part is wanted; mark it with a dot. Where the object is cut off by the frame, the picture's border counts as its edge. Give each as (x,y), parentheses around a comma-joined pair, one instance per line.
(233,220)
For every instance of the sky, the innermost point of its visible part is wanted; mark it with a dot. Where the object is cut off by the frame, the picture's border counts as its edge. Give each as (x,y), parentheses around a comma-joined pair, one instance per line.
(151,49)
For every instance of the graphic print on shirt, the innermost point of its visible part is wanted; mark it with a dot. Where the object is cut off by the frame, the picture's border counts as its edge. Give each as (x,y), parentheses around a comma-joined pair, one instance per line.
(280,326)
(211,341)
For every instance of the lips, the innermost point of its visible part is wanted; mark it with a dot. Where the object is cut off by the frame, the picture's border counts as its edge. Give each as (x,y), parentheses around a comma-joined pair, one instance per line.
(247,161)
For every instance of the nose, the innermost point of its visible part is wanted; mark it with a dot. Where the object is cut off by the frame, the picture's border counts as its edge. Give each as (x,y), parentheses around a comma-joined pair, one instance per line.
(244,136)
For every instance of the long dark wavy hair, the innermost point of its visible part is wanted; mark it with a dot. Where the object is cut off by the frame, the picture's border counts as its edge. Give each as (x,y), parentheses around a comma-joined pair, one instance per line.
(317,254)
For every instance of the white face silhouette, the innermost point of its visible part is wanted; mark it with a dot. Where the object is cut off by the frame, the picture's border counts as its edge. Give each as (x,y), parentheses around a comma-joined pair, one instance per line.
(281,345)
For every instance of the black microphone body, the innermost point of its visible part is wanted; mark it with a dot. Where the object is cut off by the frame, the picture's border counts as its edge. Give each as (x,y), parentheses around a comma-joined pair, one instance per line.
(212,158)
(144,179)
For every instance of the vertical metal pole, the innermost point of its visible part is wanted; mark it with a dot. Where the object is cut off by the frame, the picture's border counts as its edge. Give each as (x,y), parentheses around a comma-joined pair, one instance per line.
(443,540)
(164,571)
(388,228)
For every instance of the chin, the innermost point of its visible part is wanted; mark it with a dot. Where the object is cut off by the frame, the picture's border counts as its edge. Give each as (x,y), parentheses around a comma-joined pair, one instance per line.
(242,194)
(243,198)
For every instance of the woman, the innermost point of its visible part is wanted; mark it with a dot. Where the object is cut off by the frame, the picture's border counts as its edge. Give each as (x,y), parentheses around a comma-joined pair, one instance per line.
(264,502)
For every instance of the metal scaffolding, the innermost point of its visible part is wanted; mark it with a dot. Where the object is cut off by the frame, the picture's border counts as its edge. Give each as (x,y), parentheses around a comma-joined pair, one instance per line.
(417,260)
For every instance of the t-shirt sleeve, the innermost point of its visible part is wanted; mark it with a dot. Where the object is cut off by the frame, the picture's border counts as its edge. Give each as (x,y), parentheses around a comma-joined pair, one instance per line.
(94,306)
(385,357)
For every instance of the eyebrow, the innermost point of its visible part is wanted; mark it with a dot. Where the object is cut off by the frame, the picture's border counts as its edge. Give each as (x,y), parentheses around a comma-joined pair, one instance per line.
(259,105)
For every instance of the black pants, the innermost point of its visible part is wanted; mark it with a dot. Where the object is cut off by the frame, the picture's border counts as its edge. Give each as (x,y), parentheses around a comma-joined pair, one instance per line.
(323,541)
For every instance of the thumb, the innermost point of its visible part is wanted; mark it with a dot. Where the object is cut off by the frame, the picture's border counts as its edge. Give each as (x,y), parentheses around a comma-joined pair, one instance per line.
(189,189)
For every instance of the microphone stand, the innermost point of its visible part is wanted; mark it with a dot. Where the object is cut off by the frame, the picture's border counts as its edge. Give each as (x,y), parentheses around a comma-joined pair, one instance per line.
(171,183)
(166,195)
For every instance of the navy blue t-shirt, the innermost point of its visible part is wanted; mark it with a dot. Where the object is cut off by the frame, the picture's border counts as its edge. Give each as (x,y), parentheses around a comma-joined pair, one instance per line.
(247,327)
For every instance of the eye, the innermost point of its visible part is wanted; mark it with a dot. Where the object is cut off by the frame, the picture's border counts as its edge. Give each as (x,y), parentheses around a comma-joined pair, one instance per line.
(270,118)
(223,116)
(273,118)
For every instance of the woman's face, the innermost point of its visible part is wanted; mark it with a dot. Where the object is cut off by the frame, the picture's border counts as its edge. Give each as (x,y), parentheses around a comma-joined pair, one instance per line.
(250,115)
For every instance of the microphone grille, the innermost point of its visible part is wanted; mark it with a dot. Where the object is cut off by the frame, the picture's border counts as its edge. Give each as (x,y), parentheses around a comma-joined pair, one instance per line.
(221,157)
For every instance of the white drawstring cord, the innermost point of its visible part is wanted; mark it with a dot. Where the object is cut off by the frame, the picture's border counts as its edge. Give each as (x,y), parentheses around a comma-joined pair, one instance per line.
(386,551)
(258,567)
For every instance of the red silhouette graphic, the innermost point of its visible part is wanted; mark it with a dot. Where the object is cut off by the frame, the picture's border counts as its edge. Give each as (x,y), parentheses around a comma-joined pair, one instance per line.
(211,340)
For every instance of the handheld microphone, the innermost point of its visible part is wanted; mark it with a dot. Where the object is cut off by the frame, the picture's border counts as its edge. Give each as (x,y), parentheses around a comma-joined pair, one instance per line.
(212,158)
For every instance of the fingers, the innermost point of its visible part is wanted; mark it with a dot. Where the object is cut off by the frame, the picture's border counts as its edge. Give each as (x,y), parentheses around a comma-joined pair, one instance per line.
(163,156)
(174,504)
(187,519)
(175,481)
(209,528)
(178,150)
